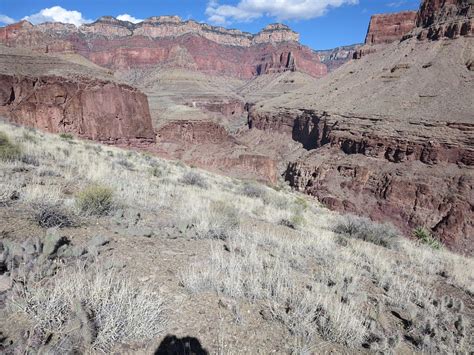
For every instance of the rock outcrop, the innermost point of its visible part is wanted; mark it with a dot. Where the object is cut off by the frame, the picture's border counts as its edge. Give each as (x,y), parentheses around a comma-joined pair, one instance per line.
(445,18)
(77,103)
(387,28)
(334,58)
(116,44)
(207,144)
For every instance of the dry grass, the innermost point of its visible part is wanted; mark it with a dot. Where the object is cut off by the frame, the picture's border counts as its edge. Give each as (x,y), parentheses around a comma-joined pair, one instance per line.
(90,310)
(321,277)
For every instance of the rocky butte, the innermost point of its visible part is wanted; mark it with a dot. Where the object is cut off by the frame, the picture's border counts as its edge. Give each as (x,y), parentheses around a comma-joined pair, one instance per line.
(116,44)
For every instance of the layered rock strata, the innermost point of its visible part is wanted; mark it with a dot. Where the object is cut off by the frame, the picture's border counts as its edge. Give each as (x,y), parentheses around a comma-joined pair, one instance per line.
(116,44)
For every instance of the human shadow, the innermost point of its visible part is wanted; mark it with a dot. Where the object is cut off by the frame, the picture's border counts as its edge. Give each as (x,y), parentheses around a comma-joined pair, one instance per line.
(172,345)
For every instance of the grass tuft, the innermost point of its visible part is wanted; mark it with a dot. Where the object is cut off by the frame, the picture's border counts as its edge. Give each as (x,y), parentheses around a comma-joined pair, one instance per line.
(425,237)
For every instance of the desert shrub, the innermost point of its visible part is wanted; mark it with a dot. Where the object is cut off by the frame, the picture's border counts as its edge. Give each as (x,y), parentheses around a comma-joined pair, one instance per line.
(363,228)
(425,237)
(83,310)
(194,179)
(301,203)
(157,171)
(30,159)
(253,190)
(49,215)
(66,136)
(8,149)
(296,221)
(127,164)
(95,200)
(225,219)
(27,137)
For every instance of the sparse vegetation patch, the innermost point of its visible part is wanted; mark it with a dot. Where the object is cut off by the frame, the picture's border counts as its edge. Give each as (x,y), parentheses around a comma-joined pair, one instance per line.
(8,149)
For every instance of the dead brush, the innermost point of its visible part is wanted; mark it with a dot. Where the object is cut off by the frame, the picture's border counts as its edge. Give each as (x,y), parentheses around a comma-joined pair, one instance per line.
(49,215)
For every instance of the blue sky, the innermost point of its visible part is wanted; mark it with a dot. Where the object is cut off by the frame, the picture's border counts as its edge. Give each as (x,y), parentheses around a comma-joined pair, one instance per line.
(322,24)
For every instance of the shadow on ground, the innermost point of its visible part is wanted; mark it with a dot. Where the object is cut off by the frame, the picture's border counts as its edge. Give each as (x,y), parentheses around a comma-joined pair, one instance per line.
(172,345)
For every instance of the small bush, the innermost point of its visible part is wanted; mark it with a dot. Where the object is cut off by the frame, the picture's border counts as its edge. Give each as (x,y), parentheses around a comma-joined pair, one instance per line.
(363,228)
(95,200)
(126,164)
(425,237)
(225,220)
(157,171)
(253,190)
(194,179)
(9,150)
(66,136)
(52,215)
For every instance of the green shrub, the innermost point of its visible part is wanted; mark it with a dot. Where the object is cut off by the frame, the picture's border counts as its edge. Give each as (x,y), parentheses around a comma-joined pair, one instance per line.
(9,150)
(95,200)
(66,136)
(364,229)
(425,237)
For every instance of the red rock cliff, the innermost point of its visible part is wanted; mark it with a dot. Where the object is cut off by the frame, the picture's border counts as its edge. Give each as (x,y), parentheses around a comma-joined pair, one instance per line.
(388,28)
(446,18)
(90,108)
(118,44)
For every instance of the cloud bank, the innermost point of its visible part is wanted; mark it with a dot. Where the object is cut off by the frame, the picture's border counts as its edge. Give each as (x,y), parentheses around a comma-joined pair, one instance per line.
(249,10)
(129,18)
(4,19)
(57,14)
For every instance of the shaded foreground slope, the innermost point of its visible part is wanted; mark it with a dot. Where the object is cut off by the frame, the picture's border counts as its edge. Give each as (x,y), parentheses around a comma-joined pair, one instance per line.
(166,252)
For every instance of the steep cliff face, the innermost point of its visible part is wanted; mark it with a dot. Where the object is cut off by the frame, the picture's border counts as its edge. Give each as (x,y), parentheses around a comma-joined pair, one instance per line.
(35,91)
(118,44)
(445,18)
(209,145)
(387,28)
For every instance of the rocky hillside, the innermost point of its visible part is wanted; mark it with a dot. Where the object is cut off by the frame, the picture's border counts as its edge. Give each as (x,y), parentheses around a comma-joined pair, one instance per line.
(105,250)
(391,132)
(170,41)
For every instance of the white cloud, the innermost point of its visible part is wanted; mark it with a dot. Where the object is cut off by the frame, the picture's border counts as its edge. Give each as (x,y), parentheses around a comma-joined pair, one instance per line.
(248,10)
(129,18)
(57,14)
(6,20)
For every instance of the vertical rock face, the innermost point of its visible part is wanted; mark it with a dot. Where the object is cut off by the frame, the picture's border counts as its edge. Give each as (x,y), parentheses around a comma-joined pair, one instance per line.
(388,28)
(446,18)
(116,44)
(86,107)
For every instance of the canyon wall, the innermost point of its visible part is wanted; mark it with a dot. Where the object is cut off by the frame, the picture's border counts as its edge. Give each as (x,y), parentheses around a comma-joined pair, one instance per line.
(389,136)
(86,107)
(166,40)
(409,181)
(445,18)
(387,28)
